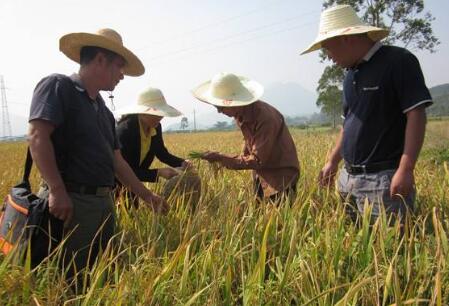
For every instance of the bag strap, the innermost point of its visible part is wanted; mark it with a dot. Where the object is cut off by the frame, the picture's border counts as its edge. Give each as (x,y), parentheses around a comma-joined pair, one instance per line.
(28,166)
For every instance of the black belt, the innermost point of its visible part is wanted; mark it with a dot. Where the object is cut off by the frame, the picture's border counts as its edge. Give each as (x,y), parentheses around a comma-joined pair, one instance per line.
(371,168)
(86,189)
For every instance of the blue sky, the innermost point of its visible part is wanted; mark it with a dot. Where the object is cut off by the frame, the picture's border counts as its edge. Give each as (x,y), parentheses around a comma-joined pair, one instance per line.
(181,43)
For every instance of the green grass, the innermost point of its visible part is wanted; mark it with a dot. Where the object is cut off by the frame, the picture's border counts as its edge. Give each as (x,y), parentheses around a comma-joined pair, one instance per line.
(231,250)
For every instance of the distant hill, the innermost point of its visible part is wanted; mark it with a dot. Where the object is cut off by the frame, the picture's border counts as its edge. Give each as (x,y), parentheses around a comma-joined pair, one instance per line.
(291,99)
(440,96)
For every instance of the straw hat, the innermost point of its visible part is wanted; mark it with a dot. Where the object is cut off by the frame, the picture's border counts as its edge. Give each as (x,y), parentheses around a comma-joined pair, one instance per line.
(71,44)
(151,102)
(228,90)
(342,20)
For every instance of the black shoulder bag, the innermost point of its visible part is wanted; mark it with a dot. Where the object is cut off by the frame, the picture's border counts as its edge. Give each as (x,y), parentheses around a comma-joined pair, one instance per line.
(24,218)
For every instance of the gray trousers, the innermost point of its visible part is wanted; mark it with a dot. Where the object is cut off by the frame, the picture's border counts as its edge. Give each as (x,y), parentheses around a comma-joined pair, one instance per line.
(355,190)
(90,229)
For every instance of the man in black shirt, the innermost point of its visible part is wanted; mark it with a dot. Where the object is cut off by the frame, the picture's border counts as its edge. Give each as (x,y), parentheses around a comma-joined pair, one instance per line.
(384,100)
(73,142)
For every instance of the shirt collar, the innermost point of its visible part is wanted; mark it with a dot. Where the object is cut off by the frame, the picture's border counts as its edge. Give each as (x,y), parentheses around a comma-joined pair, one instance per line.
(75,77)
(372,51)
(77,81)
(247,114)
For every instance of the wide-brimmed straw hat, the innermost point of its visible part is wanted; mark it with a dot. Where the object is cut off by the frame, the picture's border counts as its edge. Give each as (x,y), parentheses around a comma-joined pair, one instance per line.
(342,20)
(150,102)
(228,90)
(71,44)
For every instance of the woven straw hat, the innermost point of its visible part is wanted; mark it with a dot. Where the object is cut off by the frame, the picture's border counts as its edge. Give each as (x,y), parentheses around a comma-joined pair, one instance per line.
(71,44)
(342,20)
(228,90)
(150,102)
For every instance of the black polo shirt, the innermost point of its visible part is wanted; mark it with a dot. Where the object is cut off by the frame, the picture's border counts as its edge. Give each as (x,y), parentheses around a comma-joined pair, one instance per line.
(377,94)
(84,138)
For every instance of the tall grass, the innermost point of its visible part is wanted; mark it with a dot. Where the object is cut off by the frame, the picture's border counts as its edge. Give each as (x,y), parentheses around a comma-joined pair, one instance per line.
(231,250)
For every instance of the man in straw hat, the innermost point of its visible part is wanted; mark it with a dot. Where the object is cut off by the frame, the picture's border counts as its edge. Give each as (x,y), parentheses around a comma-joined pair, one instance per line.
(269,149)
(73,141)
(384,101)
(140,135)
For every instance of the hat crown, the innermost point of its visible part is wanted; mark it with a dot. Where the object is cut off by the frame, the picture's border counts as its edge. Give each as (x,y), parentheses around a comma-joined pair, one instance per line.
(152,97)
(111,35)
(338,17)
(226,85)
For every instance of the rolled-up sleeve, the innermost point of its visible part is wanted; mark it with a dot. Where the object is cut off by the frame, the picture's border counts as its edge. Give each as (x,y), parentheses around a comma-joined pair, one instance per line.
(258,149)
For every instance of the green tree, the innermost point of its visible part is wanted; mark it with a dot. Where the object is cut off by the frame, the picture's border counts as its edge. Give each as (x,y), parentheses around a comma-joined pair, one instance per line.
(184,123)
(410,27)
(220,125)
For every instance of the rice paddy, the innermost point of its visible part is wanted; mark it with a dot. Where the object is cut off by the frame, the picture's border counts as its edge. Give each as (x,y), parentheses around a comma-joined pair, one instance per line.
(231,250)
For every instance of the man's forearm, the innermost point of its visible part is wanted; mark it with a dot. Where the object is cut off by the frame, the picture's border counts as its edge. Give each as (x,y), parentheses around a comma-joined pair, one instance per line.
(414,138)
(240,162)
(127,177)
(335,155)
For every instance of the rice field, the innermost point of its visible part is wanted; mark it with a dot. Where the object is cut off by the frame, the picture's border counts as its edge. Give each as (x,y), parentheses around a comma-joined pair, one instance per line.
(230,250)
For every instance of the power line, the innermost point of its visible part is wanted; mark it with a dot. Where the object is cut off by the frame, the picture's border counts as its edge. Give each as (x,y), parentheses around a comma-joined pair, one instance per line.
(209,26)
(228,37)
(220,47)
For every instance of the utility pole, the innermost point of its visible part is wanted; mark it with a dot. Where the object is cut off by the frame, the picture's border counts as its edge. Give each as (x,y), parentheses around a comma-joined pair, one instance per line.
(6,124)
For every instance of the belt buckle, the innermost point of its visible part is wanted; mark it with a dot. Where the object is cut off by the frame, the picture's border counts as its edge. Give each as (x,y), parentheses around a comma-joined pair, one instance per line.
(101,191)
(363,167)
(357,169)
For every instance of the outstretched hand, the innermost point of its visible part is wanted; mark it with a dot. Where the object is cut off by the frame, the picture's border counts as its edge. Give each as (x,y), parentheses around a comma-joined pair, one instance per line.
(156,203)
(212,156)
(327,174)
(186,165)
(167,173)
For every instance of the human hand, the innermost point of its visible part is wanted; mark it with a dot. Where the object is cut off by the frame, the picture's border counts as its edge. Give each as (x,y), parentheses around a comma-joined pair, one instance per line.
(167,173)
(402,183)
(186,165)
(212,156)
(60,205)
(156,203)
(327,174)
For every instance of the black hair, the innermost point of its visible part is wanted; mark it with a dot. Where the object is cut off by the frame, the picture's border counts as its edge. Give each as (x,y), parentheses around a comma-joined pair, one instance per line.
(88,53)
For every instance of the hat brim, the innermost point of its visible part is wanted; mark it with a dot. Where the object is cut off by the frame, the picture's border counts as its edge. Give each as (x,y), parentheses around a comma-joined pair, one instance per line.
(72,43)
(163,111)
(253,92)
(374,33)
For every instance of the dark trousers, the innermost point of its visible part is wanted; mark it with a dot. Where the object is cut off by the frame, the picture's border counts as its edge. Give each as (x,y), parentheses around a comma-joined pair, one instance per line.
(88,233)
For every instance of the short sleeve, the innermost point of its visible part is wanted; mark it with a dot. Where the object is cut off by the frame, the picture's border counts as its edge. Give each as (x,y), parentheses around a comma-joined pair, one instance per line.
(48,100)
(410,86)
